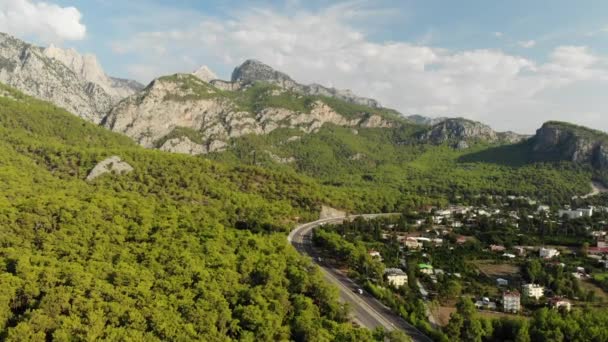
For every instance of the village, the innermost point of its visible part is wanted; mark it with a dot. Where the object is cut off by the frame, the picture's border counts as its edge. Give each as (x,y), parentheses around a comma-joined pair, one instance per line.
(509,258)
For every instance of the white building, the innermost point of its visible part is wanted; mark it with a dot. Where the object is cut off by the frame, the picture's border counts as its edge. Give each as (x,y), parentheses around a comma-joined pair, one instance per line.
(375,254)
(444,212)
(396,277)
(559,302)
(571,214)
(586,212)
(437,242)
(412,243)
(533,291)
(457,224)
(543,208)
(511,301)
(485,304)
(548,253)
(502,282)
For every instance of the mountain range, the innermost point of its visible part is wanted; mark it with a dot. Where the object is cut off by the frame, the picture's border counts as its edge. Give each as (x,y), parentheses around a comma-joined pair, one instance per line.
(105,237)
(197,113)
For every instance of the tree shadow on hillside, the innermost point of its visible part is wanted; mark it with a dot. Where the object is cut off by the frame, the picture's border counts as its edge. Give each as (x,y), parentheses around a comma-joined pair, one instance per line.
(515,155)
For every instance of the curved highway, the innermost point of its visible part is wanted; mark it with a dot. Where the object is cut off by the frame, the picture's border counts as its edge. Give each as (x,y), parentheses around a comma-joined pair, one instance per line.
(367,311)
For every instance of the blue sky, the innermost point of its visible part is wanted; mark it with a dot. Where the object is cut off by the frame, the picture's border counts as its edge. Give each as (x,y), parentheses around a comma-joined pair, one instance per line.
(448,24)
(512,64)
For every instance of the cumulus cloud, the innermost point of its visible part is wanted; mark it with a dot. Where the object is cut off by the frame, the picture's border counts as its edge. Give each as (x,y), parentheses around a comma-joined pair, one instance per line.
(505,90)
(46,21)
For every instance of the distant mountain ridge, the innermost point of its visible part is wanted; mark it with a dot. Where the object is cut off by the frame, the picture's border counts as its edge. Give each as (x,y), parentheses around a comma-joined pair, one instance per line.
(425,120)
(87,67)
(198,113)
(182,113)
(565,141)
(62,77)
(460,132)
(252,71)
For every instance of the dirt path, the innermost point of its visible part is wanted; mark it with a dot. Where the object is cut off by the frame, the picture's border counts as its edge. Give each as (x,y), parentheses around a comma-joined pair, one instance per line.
(597,189)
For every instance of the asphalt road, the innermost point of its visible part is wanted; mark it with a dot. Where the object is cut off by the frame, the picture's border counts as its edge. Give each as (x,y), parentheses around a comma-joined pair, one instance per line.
(366,310)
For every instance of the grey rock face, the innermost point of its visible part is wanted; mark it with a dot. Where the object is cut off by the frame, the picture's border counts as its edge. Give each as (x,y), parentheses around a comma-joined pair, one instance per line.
(128,86)
(461,131)
(111,165)
(26,68)
(151,117)
(573,143)
(424,120)
(88,68)
(462,145)
(252,71)
(205,74)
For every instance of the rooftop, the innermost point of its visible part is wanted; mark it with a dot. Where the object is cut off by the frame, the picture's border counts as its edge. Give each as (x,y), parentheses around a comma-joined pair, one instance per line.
(394,271)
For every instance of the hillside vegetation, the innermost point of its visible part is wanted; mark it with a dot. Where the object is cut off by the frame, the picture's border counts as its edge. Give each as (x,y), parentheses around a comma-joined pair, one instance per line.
(391,167)
(180,249)
(186,248)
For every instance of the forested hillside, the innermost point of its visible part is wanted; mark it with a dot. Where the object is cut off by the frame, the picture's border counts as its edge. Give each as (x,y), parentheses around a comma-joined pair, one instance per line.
(180,249)
(389,165)
(187,248)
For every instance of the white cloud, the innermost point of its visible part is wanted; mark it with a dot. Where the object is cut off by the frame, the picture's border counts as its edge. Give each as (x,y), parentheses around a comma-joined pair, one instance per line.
(527,43)
(46,21)
(498,34)
(506,91)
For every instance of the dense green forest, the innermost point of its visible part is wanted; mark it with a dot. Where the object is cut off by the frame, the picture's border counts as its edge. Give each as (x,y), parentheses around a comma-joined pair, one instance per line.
(189,248)
(391,166)
(180,249)
(546,325)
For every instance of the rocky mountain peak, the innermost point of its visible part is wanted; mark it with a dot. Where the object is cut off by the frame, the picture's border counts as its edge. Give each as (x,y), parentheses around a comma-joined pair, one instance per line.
(459,132)
(85,65)
(564,141)
(27,68)
(252,71)
(182,113)
(459,129)
(88,67)
(425,120)
(205,74)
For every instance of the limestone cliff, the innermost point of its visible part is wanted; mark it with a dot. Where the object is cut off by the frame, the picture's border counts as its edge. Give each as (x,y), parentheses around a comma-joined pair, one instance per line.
(252,71)
(563,141)
(87,67)
(27,68)
(182,113)
(460,132)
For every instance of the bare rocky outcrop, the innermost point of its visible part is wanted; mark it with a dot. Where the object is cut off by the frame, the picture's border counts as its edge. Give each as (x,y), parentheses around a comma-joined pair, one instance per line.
(183,145)
(113,164)
(280,160)
(425,120)
(252,71)
(205,74)
(558,140)
(87,67)
(460,132)
(180,102)
(26,68)
(329,212)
